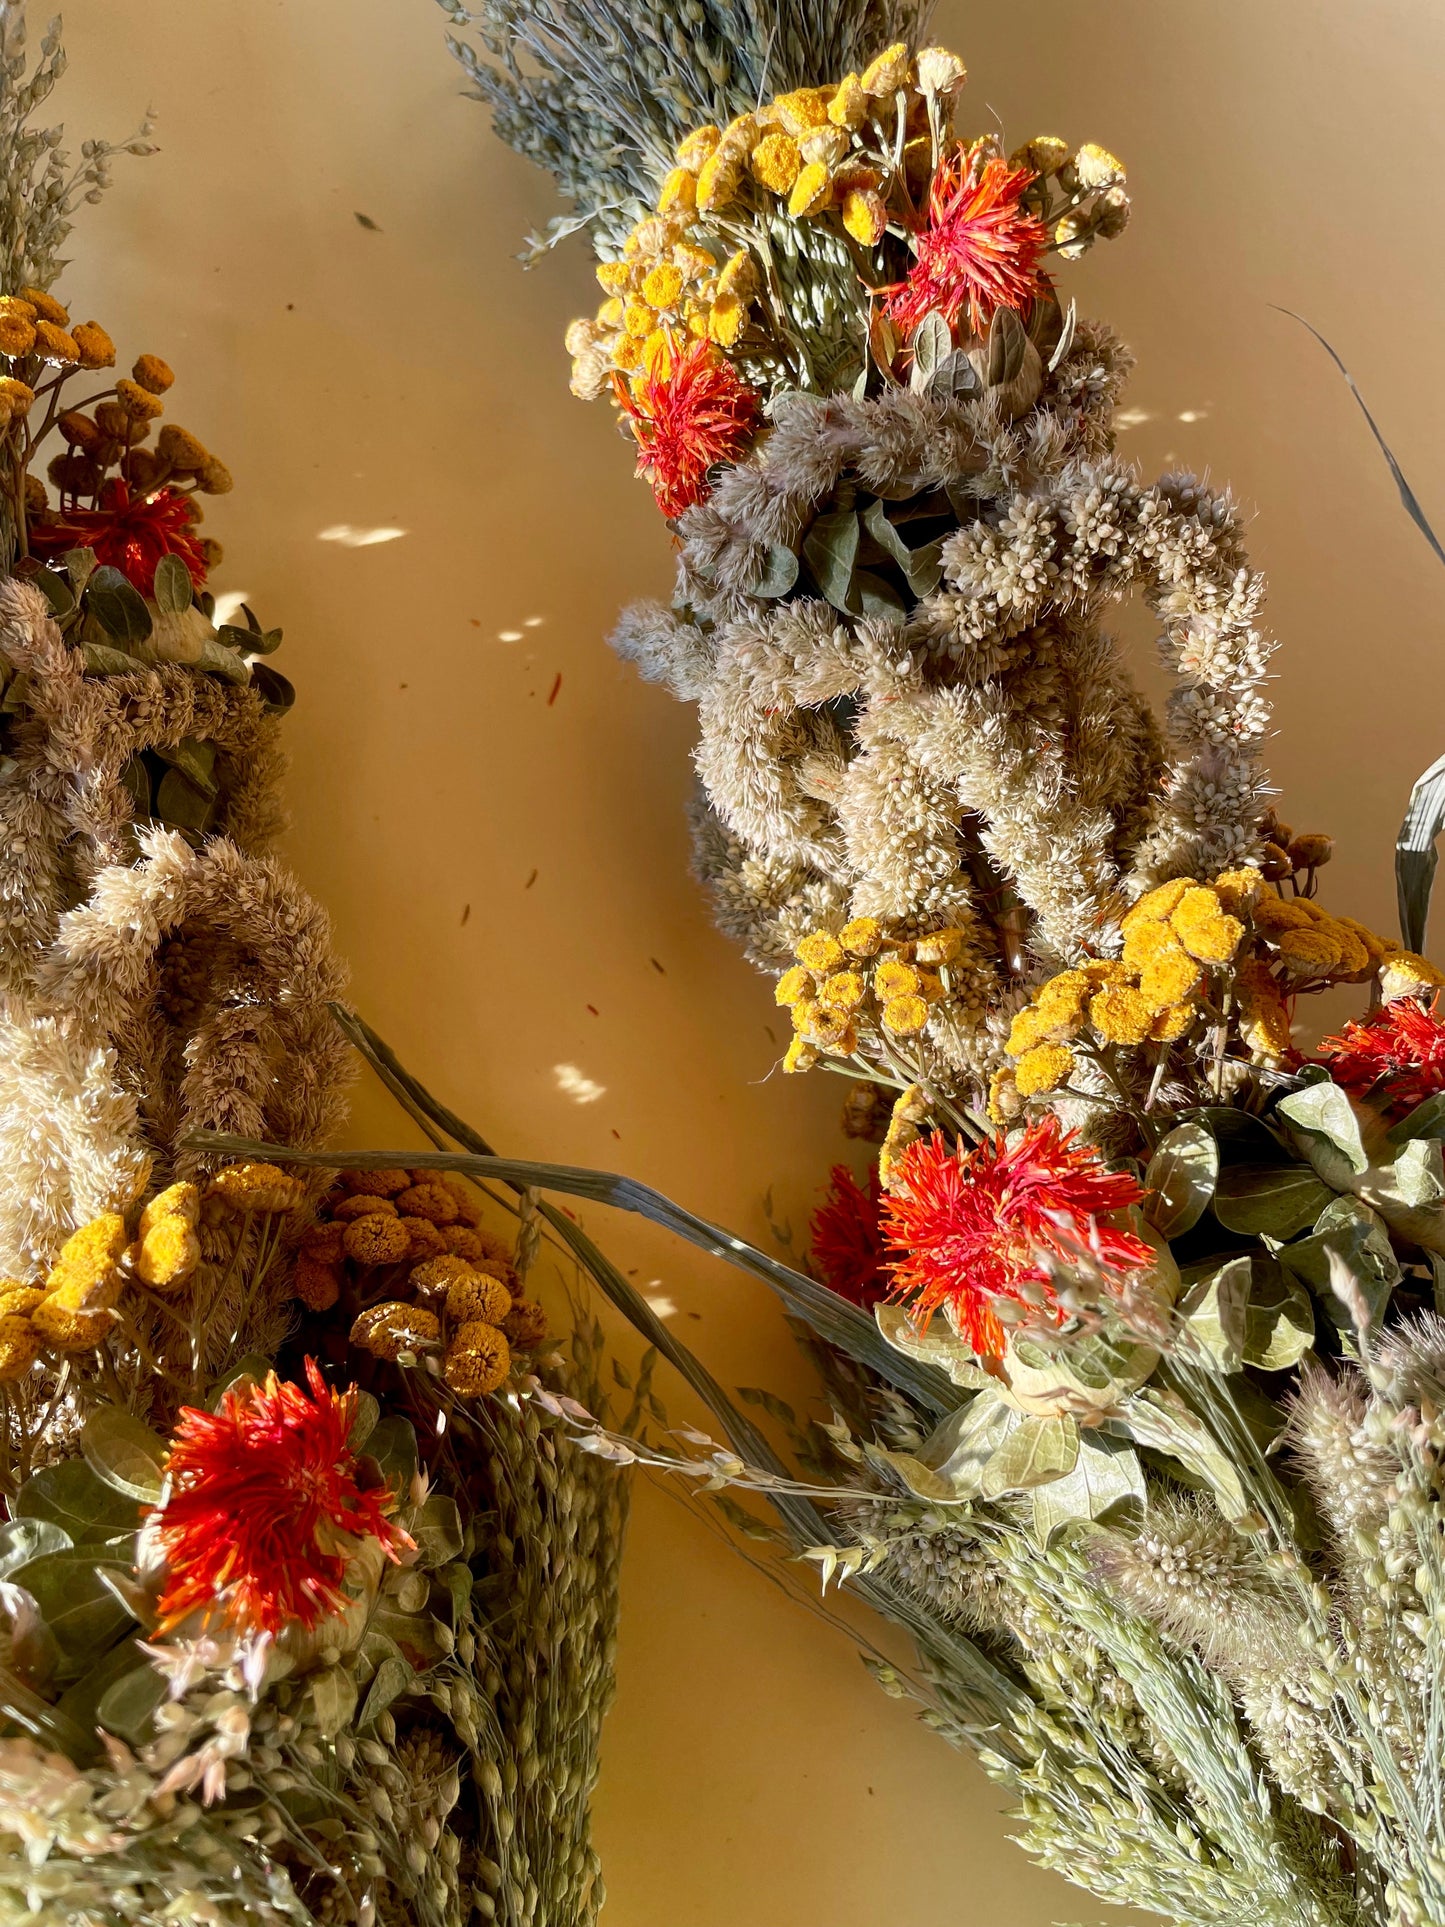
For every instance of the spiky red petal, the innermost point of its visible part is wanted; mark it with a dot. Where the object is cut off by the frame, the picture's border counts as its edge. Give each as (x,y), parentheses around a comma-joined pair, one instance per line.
(980,250)
(847,1239)
(970,1227)
(1396,1057)
(264,1499)
(127,532)
(689,411)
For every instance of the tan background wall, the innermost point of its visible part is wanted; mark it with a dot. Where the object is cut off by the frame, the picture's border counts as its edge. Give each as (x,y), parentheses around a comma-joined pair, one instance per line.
(1282,151)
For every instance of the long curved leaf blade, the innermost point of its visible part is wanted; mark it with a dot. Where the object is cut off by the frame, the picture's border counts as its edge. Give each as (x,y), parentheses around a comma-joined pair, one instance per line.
(1415,854)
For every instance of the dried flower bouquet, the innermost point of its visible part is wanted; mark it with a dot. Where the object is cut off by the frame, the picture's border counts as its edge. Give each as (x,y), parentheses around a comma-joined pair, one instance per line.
(306,1602)
(1134,1335)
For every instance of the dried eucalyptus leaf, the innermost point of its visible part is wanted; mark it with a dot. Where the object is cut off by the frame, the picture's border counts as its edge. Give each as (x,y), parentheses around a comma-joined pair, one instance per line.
(1278,1199)
(1350,1241)
(780,575)
(101,660)
(196,761)
(1180,1179)
(1162,1422)
(437,1529)
(392,1678)
(71,1496)
(954,379)
(830,549)
(172,590)
(80,1611)
(1324,1110)
(1036,1451)
(1213,1311)
(274,689)
(22,1540)
(1420,1172)
(79,565)
(137,779)
(57,592)
(1426,1120)
(931,344)
(1106,1486)
(1008,344)
(118,606)
(393,1446)
(127,1706)
(368,1413)
(870,595)
(1279,1325)
(220,661)
(179,803)
(334,1694)
(123,1453)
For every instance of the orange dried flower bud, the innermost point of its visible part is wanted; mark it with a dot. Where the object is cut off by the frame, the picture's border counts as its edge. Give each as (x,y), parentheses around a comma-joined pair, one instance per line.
(152,374)
(478,1360)
(376,1239)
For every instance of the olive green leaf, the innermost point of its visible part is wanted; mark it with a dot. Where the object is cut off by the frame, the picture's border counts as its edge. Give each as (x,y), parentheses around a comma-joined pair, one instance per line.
(1279,1321)
(870,595)
(102,660)
(118,607)
(79,565)
(954,379)
(172,591)
(1008,343)
(128,1704)
(932,343)
(80,1610)
(456,1577)
(1279,1199)
(1350,1251)
(220,661)
(1034,1452)
(274,689)
(1162,1422)
(922,568)
(125,1454)
(831,550)
(71,1496)
(196,761)
(1420,1172)
(57,591)
(1426,1120)
(779,576)
(22,1540)
(181,804)
(1213,1312)
(937,1345)
(368,1412)
(392,1678)
(1323,1110)
(1180,1179)
(1106,1486)
(393,1446)
(334,1694)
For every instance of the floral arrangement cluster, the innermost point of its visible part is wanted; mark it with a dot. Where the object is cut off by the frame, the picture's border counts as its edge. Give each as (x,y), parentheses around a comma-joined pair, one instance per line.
(1133,1331)
(306,1611)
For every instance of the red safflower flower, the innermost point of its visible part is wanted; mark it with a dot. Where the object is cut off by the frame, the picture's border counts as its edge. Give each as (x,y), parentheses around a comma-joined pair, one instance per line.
(688,412)
(128,532)
(972,1226)
(847,1239)
(1397,1057)
(264,1502)
(980,250)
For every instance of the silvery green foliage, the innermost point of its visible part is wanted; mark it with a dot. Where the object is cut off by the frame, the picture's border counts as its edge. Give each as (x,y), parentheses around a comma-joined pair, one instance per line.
(40,188)
(599,92)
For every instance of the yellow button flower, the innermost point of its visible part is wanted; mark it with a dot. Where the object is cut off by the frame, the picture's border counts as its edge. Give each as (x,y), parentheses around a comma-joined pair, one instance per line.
(889,72)
(820,952)
(905,1016)
(812,191)
(662,286)
(1156,905)
(776,162)
(679,191)
(697,147)
(863,937)
(865,215)
(1043,1068)
(726,320)
(1121,1016)
(794,986)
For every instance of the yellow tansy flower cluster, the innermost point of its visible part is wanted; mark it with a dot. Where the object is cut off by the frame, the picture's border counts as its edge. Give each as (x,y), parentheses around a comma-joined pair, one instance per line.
(836,151)
(862,982)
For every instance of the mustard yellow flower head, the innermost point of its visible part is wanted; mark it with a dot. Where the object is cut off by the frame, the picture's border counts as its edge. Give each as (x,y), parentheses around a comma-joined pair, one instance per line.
(1121,1016)
(614,277)
(1264,1019)
(432,1280)
(478,1298)
(863,937)
(1238,890)
(776,163)
(799,1056)
(17,1300)
(1170,1024)
(45,306)
(67,1329)
(181,1201)
(1310,851)
(1156,905)
(1375,947)
(429,1198)
(725,320)
(679,191)
(849,104)
(662,285)
(820,952)
(19,1347)
(1275,914)
(316,1283)
(1030,1027)
(139,403)
(478,1360)
(1355,963)
(386,1331)
(794,986)
(424,1240)
(894,978)
(97,350)
(1005,1105)
(85,1270)
(182,450)
(719,179)
(843,991)
(1169,978)
(865,215)
(1044,155)
(1146,941)
(939,946)
(56,345)
(939,71)
(17,396)
(256,1187)
(739,278)
(697,147)
(360,1204)
(17,335)
(165,1256)
(1312,952)
(889,72)
(1043,1068)
(376,1239)
(1405,974)
(812,191)
(1204,928)
(905,1016)
(831,1029)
